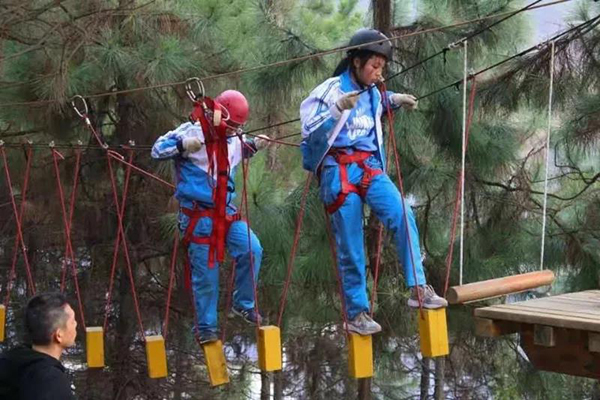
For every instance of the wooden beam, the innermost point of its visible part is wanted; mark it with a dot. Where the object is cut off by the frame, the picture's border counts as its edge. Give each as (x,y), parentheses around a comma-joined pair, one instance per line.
(570,355)
(543,335)
(489,328)
(498,287)
(594,342)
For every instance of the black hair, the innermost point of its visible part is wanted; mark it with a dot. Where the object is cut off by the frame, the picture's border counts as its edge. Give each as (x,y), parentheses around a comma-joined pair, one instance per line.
(348,62)
(44,314)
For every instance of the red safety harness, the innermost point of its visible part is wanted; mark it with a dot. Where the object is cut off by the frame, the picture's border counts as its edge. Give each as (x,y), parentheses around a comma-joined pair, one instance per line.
(343,159)
(215,137)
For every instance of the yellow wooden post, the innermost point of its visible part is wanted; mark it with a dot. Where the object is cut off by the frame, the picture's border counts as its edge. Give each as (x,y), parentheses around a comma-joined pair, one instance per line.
(215,362)
(94,346)
(360,356)
(156,356)
(434,332)
(269,348)
(2,322)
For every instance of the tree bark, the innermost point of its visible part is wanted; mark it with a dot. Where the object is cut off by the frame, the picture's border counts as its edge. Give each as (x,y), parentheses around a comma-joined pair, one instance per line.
(425,377)
(364,389)
(278,385)
(265,386)
(440,363)
(382,15)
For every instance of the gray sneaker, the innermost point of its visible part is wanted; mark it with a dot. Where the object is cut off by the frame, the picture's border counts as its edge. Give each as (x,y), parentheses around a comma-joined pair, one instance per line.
(363,325)
(428,296)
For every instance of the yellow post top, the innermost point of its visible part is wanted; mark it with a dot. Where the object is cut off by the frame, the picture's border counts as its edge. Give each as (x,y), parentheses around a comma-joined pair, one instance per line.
(94,346)
(360,356)
(156,356)
(215,363)
(269,348)
(434,332)
(2,322)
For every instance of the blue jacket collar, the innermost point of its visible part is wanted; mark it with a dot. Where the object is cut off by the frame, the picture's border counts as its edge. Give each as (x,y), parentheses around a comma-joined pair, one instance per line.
(347,84)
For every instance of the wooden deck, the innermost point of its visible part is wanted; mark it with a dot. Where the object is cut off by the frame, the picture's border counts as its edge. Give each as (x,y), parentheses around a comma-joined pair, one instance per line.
(559,333)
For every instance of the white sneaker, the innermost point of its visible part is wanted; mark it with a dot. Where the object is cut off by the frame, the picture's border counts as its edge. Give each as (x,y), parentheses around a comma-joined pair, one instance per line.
(429,298)
(363,325)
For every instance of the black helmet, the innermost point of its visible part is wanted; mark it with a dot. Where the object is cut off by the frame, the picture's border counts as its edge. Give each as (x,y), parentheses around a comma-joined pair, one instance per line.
(367,36)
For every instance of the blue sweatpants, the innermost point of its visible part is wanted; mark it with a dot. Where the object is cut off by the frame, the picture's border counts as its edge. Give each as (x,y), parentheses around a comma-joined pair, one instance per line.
(347,222)
(205,280)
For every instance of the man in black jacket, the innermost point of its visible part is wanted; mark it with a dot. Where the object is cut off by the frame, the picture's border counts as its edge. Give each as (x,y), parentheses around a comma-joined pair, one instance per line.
(35,371)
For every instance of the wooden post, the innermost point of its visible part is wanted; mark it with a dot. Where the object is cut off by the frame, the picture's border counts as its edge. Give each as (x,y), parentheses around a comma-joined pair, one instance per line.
(94,346)
(499,287)
(2,322)
(215,362)
(434,332)
(360,357)
(269,348)
(156,356)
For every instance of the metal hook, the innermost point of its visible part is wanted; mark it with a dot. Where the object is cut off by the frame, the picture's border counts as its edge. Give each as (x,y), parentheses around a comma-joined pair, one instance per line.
(189,89)
(77,110)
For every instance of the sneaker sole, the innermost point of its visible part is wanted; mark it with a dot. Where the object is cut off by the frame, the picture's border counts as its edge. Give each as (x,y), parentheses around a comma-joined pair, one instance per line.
(239,314)
(415,304)
(367,333)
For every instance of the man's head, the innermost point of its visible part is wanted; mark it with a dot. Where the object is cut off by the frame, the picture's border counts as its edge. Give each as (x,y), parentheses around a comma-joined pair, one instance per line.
(50,320)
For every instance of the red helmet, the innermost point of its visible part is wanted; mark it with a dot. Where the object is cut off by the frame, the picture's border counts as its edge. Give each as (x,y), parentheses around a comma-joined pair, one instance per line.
(236,104)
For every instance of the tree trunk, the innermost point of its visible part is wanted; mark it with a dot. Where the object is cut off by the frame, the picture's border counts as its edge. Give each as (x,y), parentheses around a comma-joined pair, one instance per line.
(265,386)
(278,385)
(440,363)
(425,377)
(382,15)
(364,389)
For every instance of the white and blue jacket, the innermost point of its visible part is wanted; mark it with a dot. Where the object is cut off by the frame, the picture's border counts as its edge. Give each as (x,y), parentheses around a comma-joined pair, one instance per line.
(322,122)
(194,184)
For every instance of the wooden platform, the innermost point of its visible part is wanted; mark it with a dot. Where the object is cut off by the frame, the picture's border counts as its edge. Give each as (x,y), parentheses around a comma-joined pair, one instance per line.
(559,333)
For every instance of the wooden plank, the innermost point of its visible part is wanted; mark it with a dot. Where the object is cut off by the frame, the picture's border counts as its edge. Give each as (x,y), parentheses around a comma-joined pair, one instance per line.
(548,311)
(489,328)
(548,318)
(544,336)
(586,294)
(569,355)
(567,309)
(587,299)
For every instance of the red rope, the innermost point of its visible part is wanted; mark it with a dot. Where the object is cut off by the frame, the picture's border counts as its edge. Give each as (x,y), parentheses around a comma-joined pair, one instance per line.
(401,187)
(121,231)
(11,276)
(379,250)
(294,247)
(377,263)
(245,170)
(121,238)
(124,241)
(18,220)
(338,273)
(69,246)
(171,282)
(72,203)
(459,187)
(119,158)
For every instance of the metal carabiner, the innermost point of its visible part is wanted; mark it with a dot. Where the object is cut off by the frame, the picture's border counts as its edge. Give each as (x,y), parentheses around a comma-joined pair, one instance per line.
(189,89)
(77,110)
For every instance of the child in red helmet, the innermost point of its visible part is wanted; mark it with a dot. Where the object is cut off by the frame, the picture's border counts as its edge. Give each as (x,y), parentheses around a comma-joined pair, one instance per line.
(196,180)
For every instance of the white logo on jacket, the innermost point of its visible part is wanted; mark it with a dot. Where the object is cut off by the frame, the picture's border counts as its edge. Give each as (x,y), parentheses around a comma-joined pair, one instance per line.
(360,125)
